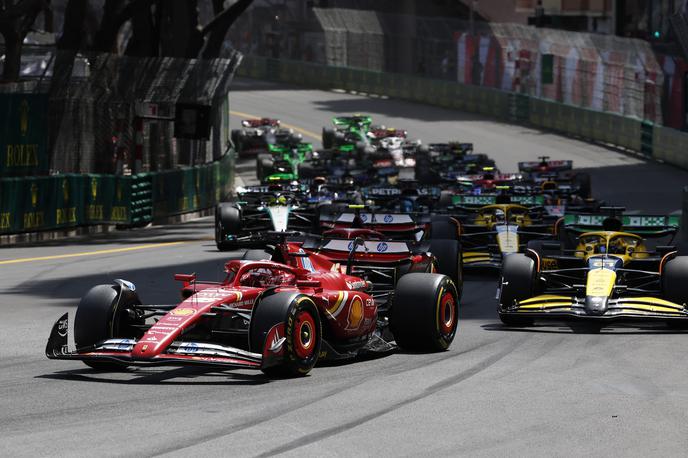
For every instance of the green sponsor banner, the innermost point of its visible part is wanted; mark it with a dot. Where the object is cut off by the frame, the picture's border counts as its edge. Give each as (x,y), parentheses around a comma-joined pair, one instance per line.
(107,199)
(67,200)
(23,134)
(35,205)
(9,205)
(176,192)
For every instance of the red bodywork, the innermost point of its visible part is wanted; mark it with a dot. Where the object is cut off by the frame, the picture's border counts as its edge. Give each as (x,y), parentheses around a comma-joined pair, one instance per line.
(400,226)
(262,122)
(379,134)
(489,181)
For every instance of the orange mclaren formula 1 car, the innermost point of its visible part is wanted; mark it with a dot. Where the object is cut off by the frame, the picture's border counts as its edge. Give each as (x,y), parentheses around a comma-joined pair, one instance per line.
(609,270)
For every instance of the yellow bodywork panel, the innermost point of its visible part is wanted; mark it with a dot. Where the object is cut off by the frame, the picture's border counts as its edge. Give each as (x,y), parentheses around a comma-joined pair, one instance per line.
(545,301)
(507,241)
(490,215)
(545,298)
(600,282)
(650,304)
(623,245)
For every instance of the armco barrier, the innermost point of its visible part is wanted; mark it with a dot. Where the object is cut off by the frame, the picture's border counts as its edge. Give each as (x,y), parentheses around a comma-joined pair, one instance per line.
(31,204)
(588,124)
(669,145)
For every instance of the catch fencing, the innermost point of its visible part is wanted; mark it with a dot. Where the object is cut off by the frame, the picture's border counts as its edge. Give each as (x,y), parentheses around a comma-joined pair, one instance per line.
(652,140)
(114,114)
(599,72)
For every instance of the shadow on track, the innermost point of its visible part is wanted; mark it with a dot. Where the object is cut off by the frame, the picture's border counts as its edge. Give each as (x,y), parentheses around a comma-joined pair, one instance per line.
(148,377)
(155,285)
(555,327)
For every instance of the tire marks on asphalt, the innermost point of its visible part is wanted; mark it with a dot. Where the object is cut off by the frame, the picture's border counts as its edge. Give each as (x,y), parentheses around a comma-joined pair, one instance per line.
(346,385)
(429,391)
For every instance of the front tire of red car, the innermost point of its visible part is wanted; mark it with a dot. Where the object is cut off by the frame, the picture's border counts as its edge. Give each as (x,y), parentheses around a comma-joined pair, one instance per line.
(425,312)
(302,332)
(103,314)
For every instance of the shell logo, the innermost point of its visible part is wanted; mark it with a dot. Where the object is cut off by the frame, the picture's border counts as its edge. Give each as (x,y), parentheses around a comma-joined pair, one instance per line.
(183,312)
(355,313)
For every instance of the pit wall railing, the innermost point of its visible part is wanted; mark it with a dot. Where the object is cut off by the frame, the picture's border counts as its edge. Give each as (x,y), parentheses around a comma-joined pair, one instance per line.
(648,139)
(32,204)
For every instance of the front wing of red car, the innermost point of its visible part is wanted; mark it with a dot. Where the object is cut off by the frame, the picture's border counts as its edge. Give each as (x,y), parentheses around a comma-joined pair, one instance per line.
(119,351)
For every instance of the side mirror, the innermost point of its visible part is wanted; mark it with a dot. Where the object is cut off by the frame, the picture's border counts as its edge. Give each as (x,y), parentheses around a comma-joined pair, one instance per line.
(186,278)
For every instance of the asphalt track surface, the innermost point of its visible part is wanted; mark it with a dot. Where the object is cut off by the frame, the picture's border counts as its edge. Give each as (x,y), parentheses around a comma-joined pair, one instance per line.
(548,390)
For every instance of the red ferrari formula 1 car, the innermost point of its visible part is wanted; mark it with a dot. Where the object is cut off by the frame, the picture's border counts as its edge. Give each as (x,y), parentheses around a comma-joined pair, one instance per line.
(279,318)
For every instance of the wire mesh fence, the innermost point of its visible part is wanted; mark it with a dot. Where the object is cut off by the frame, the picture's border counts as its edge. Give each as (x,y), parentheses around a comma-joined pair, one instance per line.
(106,111)
(601,72)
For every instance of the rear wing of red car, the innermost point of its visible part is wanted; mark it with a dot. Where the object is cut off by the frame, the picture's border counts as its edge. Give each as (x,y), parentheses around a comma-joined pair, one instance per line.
(545,165)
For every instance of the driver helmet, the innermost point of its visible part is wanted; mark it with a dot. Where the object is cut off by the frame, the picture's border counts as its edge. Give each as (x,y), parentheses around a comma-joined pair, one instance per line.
(406,205)
(500,216)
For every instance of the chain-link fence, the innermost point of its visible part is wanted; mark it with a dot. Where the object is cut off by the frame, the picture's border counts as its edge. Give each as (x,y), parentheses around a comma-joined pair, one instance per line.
(600,72)
(114,114)
(354,38)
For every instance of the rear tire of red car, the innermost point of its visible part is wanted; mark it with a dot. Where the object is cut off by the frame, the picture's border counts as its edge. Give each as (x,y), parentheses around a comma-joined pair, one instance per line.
(517,282)
(424,315)
(102,315)
(227,222)
(449,260)
(675,286)
(302,329)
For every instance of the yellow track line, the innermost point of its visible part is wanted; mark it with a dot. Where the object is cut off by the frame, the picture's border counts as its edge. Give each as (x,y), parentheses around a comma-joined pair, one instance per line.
(305,132)
(92,253)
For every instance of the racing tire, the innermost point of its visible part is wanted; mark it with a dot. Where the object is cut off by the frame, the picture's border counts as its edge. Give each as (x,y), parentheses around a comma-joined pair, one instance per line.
(327,138)
(307,171)
(264,166)
(424,314)
(102,314)
(446,199)
(443,227)
(256,255)
(236,137)
(449,260)
(582,179)
(302,331)
(675,286)
(227,221)
(517,282)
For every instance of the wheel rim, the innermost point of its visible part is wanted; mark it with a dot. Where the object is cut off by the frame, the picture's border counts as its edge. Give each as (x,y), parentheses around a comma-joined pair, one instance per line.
(305,337)
(447,315)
